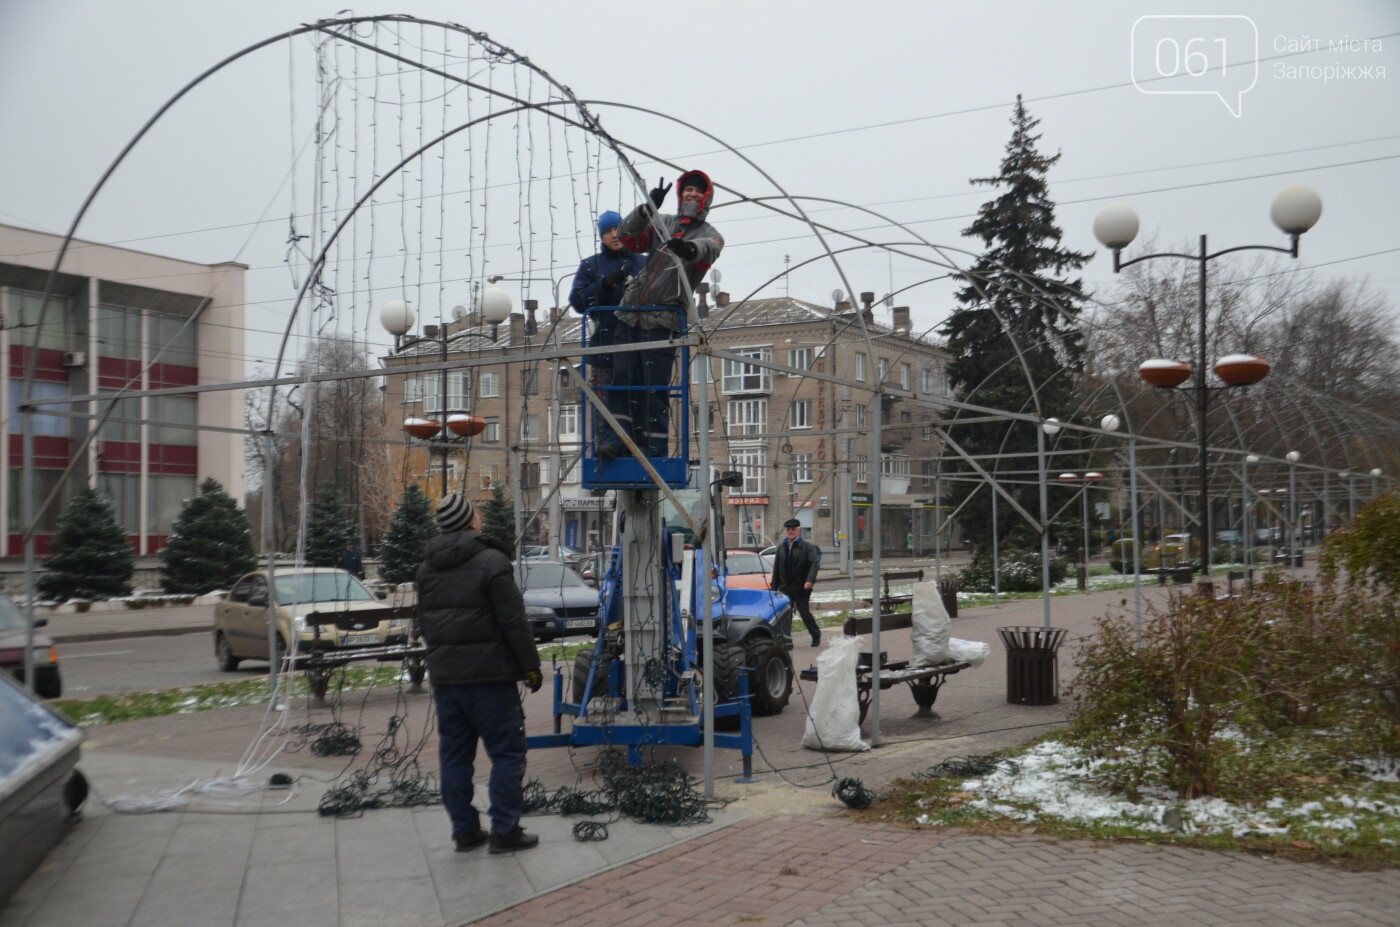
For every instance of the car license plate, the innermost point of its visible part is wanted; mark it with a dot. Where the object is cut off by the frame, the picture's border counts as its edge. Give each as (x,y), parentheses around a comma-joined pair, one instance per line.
(580,623)
(362,640)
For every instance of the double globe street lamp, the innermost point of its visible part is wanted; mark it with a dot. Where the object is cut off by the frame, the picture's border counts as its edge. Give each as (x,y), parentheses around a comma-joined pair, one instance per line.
(1295,210)
(449,426)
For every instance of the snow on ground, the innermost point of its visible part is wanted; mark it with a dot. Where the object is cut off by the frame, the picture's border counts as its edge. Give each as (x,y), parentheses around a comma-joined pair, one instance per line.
(1051,781)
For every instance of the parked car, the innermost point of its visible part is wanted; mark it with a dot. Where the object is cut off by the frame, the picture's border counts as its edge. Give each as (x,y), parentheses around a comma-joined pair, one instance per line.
(566,554)
(47,683)
(240,620)
(557,602)
(745,569)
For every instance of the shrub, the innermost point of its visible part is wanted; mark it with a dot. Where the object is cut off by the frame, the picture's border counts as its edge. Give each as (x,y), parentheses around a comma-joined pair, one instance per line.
(1306,672)
(1020,572)
(90,556)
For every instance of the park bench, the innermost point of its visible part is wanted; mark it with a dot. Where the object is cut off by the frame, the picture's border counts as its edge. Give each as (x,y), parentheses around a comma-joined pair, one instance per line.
(923,681)
(319,661)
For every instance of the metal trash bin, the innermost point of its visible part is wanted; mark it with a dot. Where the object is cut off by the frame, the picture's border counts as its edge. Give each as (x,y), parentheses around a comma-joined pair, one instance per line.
(1032,664)
(948,592)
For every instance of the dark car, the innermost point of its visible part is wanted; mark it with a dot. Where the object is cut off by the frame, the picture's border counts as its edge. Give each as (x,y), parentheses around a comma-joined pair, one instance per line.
(557,602)
(12,634)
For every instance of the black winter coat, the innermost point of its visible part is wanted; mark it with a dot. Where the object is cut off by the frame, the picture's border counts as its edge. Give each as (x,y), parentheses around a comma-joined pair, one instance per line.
(806,561)
(472,613)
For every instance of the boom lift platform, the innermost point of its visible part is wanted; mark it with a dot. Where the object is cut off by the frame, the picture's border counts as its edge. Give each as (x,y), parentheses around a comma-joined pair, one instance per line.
(642,684)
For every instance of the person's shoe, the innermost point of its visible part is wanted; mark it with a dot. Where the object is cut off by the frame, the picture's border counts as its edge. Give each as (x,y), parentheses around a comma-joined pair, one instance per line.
(470,841)
(515,839)
(609,452)
(817,639)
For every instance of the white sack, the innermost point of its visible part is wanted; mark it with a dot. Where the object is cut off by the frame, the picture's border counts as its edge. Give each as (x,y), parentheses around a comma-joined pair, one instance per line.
(833,717)
(973,652)
(931,621)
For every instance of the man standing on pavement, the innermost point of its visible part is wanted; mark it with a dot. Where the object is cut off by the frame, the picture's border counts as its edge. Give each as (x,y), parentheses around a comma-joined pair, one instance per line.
(795,569)
(599,282)
(351,561)
(479,648)
(680,249)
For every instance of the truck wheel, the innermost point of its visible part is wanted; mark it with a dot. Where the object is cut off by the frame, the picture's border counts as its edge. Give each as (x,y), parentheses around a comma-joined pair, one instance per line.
(582,662)
(770,679)
(223,655)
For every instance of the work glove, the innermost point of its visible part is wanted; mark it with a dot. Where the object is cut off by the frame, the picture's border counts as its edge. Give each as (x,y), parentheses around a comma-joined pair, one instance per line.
(686,250)
(658,195)
(534,679)
(614,278)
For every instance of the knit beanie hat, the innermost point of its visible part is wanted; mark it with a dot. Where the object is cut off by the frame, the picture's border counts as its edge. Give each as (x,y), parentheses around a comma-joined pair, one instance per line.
(608,220)
(454,513)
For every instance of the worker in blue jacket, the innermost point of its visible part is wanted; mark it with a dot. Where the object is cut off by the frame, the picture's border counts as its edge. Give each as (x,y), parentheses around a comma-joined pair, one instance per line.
(601,280)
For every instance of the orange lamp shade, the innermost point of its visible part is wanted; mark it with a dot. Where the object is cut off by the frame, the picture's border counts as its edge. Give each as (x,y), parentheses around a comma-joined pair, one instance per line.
(1241,369)
(421,427)
(466,426)
(1164,373)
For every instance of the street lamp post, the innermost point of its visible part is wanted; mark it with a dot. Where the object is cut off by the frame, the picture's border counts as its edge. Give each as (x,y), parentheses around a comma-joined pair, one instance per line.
(1051,426)
(1249,502)
(1351,493)
(1295,210)
(397,318)
(1293,536)
(1085,481)
(1376,473)
(1111,422)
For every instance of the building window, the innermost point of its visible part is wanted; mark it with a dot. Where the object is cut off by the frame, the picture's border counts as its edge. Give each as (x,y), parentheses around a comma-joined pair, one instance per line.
(884,370)
(412,389)
(860,416)
(164,501)
(529,381)
(571,473)
(24,321)
(862,475)
(123,424)
(695,369)
(171,411)
(740,377)
(752,462)
(905,372)
(926,432)
(927,380)
(568,423)
(894,467)
(490,384)
(53,425)
(802,468)
(530,426)
(695,416)
(459,389)
(123,490)
(118,332)
(492,432)
(860,366)
(800,359)
(174,339)
(926,468)
(748,417)
(800,414)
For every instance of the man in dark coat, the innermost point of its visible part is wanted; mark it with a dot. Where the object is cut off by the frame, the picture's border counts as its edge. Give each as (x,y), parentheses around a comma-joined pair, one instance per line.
(351,561)
(599,282)
(479,648)
(795,567)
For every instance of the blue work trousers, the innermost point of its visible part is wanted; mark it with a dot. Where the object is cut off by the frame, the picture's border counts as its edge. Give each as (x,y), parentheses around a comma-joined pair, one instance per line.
(491,713)
(645,413)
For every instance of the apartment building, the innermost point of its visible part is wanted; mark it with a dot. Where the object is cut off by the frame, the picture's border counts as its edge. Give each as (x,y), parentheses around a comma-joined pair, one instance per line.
(119,321)
(802,443)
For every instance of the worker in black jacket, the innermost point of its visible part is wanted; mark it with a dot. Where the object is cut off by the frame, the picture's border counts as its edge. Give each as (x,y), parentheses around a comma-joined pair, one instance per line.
(795,567)
(479,648)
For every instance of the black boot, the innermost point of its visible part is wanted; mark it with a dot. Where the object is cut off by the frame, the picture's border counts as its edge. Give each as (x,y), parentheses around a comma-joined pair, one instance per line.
(515,839)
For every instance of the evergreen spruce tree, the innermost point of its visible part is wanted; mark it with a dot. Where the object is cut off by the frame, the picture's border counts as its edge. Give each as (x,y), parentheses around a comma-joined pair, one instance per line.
(412,525)
(1014,340)
(210,544)
(328,528)
(497,517)
(90,556)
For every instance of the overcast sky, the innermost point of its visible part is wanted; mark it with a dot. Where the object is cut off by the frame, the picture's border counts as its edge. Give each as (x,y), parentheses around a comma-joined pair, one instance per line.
(888,105)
